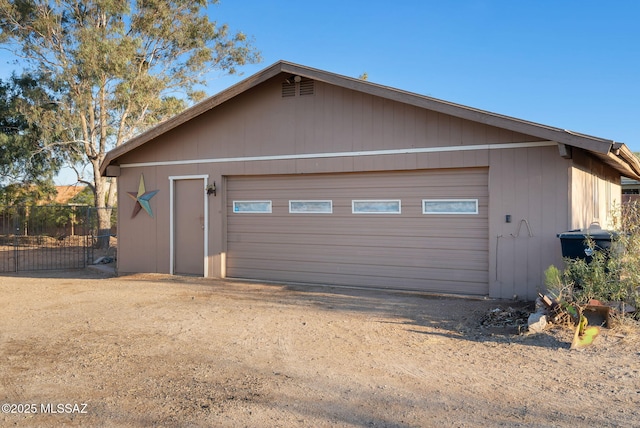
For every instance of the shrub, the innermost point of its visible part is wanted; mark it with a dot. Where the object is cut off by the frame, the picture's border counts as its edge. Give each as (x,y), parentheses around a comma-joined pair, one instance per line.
(612,275)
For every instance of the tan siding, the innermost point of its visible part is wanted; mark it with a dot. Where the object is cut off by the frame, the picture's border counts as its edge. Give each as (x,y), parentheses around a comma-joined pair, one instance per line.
(531,186)
(139,237)
(260,122)
(581,214)
(586,174)
(444,253)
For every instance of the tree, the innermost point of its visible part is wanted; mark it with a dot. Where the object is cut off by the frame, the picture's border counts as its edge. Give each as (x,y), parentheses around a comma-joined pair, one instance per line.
(85,197)
(24,164)
(115,68)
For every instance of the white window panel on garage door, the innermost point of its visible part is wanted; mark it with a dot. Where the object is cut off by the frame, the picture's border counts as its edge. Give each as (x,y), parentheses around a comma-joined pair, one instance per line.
(310,207)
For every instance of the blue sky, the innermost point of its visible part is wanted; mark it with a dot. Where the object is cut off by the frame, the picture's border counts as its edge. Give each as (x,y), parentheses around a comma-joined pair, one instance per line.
(570,64)
(565,63)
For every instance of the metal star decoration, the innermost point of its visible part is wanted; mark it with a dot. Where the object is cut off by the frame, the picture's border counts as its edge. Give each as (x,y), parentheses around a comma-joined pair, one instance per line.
(142,199)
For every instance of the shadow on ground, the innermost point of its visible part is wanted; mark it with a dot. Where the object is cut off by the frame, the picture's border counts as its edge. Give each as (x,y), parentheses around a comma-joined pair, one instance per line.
(463,317)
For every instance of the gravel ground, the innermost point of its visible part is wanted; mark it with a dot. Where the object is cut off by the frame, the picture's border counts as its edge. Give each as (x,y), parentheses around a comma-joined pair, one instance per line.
(81,349)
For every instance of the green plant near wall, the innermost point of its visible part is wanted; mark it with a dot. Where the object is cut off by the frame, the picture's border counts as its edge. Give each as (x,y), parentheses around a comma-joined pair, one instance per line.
(612,276)
(600,279)
(554,283)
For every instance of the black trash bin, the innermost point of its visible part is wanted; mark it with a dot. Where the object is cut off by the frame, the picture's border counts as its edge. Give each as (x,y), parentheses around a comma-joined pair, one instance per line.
(574,243)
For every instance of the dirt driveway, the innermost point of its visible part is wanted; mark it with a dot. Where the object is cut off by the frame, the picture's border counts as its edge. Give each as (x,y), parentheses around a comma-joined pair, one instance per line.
(151,350)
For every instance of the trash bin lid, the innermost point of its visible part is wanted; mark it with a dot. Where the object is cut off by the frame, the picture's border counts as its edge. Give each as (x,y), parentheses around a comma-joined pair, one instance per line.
(584,234)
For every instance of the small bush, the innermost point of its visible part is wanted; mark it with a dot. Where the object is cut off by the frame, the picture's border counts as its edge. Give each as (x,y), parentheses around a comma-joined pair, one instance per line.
(600,279)
(612,275)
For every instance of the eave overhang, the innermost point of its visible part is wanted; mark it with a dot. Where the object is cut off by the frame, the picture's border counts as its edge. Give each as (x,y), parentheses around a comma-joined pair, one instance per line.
(622,160)
(615,154)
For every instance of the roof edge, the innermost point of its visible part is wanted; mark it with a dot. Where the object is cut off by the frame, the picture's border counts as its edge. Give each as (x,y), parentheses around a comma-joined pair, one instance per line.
(629,159)
(545,132)
(593,144)
(190,113)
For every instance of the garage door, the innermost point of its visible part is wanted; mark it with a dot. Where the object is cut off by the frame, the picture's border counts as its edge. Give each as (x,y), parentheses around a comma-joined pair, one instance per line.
(419,230)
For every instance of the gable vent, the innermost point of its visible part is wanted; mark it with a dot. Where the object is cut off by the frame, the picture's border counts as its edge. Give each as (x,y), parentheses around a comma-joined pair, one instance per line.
(306,87)
(288,88)
(297,85)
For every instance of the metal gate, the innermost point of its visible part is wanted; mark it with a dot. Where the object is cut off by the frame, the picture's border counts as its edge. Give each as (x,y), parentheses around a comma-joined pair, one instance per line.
(52,237)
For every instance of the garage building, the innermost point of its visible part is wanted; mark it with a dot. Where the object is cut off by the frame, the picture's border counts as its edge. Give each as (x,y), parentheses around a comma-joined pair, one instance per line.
(301,175)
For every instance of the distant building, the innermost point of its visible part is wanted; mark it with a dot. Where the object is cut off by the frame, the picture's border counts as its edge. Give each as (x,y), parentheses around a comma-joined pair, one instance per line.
(630,189)
(66,193)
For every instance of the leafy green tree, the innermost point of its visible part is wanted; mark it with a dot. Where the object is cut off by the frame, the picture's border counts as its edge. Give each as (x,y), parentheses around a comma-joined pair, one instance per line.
(115,68)
(24,161)
(85,197)
(25,194)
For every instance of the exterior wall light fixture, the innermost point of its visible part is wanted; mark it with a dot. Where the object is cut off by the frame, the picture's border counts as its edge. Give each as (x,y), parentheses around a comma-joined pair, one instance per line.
(211,189)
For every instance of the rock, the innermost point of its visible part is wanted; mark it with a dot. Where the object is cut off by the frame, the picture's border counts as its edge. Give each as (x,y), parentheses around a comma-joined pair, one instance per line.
(537,322)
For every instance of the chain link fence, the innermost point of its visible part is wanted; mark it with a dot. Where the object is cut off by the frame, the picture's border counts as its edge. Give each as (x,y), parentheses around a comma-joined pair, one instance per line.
(53,237)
